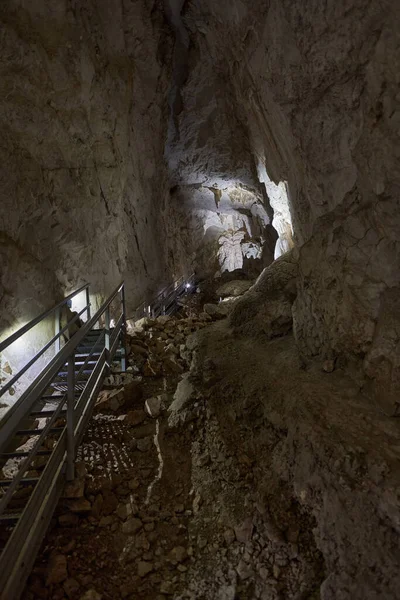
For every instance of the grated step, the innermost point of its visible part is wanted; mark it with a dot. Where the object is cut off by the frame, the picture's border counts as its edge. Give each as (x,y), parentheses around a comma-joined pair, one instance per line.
(43,414)
(22,454)
(10,517)
(23,432)
(27,481)
(65,373)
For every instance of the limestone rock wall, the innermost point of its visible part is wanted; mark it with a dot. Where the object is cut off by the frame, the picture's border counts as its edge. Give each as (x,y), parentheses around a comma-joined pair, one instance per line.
(315,91)
(84,111)
(216,197)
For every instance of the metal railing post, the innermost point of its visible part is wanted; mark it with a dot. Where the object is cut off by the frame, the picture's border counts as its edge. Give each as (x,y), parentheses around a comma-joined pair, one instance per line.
(107,335)
(88,303)
(57,329)
(123,330)
(70,419)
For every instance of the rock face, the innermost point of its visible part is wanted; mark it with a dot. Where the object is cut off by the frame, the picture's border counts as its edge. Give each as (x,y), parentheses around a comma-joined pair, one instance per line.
(83,111)
(304,99)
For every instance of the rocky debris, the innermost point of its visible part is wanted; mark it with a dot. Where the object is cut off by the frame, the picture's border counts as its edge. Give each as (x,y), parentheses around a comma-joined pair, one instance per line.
(167,507)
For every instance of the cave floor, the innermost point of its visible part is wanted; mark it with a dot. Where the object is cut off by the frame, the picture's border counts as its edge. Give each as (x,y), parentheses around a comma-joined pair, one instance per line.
(249,489)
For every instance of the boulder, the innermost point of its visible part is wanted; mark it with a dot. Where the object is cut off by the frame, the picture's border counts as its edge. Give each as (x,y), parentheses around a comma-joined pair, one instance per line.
(244,531)
(75,488)
(185,393)
(171,365)
(234,288)
(57,570)
(110,400)
(139,350)
(144,568)
(144,444)
(68,520)
(163,320)
(135,417)
(178,554)
(79,505)
(141,325)
(110,502)
(132,526)
(124,511)
(266,309)
(153,406)
(71,587)
(133,394)
(219,311)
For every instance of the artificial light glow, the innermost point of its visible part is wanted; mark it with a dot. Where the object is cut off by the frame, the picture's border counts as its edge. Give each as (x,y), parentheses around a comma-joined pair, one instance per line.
(188,286)
(20,343)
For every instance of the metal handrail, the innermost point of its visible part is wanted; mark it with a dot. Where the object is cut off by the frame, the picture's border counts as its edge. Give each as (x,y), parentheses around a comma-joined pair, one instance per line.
(12,338)
(36,389)
(160,295)
(155,305)
(11,382)
(19,553)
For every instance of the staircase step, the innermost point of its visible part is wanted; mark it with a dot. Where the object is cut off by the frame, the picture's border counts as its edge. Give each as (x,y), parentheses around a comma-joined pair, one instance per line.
(65,373)
(24,454)
(10,517)
(23,432)
(63,384)
(43,414)
(25,482)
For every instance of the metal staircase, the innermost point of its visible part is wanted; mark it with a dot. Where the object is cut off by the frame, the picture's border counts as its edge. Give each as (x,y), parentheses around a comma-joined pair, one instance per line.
(167,302)
(41,432)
